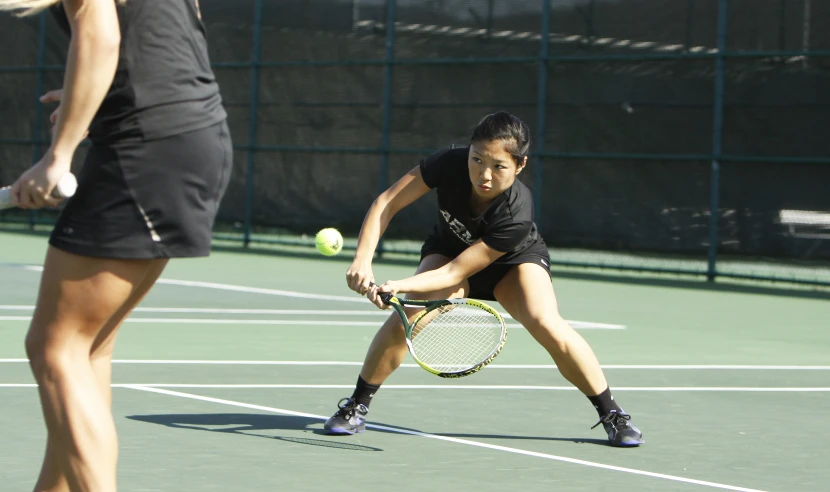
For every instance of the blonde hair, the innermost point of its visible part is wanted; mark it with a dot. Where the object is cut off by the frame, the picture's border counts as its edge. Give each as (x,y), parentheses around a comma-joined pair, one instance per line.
(29,7)
(26,7)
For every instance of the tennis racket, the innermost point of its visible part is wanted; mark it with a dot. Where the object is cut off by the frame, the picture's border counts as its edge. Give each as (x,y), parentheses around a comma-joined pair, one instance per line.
(65,189)
(451,338)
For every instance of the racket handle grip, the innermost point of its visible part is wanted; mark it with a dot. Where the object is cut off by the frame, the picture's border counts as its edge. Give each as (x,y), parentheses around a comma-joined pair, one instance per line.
(386,297)
(5,198)
(65,189)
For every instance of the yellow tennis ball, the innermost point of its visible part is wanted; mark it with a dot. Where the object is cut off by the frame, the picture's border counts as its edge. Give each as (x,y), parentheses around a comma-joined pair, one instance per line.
(329,241)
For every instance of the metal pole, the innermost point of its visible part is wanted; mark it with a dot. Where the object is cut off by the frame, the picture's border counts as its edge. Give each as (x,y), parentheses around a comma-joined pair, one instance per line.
(490,6)
(386,103)
(805,40)
(355,14)
(252,123)
(782,25)
(541,108)
(591,33)
(37,128)
(717,141)
(690,16)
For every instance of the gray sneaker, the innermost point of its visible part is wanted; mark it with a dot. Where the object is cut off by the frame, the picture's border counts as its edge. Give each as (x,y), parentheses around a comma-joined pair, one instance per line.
(350,419)
(620,430)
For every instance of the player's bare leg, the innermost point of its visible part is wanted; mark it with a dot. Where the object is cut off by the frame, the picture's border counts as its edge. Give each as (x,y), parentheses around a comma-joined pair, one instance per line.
(385,354)
(101,360)
(78,297)
(388,348)
(526,292)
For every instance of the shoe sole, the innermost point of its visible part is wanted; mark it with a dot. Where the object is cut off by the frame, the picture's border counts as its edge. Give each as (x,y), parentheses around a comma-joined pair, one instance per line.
(629,444)
(345,432)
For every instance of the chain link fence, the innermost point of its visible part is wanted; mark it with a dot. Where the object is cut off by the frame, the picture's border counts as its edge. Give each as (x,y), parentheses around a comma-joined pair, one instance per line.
(647,116)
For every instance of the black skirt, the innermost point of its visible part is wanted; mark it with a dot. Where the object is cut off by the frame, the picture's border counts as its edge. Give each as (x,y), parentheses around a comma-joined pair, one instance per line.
(141,199)
(483,283)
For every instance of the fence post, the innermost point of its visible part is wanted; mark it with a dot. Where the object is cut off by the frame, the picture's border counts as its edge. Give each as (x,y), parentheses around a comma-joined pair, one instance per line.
(782,25)
(37,128)
(690,16)
(253,122)
(541,108)
(386,103)
(805,37)
(717,142)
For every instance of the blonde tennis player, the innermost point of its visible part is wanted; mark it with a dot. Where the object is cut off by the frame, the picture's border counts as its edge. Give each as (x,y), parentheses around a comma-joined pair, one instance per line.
(149,189)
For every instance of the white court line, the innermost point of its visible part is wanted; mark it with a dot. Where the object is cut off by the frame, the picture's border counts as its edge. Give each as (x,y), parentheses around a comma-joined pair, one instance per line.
(317,312)
(577,325)
(491,366)
(453,440)
(455,387)
(322,312)
(207,321)
(259,290)
(304,295)
(238,288)
(275,322)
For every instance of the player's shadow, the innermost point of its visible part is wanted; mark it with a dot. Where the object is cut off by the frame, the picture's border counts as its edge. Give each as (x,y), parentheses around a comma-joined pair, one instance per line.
(249,424)
(575,440)
(256,425)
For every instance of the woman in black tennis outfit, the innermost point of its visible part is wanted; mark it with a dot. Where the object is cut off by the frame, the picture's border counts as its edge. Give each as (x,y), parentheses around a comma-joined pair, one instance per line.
(486,246)
(138,78)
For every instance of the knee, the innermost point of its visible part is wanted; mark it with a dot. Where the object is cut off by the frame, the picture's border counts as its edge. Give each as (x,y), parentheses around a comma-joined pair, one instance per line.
(35,345)
(392,329)
(45,359)
(36,352)
(552,326)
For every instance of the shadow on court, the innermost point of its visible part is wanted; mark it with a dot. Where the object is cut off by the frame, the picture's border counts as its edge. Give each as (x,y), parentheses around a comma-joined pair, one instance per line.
(247,424)
(508,437)
(575,440)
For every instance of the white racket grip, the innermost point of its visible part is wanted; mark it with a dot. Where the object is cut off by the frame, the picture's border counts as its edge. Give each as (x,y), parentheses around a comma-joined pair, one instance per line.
(66,186)
(65,189)
(5,198)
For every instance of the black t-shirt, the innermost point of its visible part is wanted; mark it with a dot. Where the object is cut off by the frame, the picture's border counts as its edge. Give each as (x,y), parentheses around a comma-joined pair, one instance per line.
(507,223)
(164,84)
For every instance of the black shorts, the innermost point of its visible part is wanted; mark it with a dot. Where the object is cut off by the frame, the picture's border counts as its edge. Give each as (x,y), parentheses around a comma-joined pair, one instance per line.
(483,283)
(148,199)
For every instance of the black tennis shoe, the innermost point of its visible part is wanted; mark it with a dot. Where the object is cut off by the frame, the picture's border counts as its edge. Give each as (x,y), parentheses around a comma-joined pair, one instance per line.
(350,419)
(620,430)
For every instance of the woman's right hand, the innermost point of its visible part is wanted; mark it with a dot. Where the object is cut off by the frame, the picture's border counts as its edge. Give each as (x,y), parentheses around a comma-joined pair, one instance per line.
(33,189)
(359,276)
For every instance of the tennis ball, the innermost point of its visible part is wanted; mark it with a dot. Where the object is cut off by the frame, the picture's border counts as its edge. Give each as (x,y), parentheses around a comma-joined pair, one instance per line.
(329,241)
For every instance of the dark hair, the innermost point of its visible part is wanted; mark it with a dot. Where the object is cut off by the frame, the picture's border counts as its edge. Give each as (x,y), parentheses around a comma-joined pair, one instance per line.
(508,128)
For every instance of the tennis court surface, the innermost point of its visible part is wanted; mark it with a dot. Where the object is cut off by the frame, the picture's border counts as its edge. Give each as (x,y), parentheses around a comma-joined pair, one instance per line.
(225,374)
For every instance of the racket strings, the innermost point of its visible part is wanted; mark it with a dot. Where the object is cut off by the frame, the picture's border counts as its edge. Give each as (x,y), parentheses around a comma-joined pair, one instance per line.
(456,337)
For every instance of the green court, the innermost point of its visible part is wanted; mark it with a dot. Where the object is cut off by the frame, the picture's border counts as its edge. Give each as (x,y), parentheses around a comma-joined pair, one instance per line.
(225,374)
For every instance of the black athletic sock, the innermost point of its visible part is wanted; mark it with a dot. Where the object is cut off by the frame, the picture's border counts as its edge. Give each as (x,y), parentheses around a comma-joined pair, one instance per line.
(604,403)
(364,392)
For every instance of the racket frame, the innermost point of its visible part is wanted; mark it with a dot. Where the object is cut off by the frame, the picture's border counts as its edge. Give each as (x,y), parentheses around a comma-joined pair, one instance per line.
(399,304)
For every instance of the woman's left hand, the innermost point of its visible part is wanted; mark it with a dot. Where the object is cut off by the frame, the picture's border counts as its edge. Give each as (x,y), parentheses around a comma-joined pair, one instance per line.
(390,287)
(33,189)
